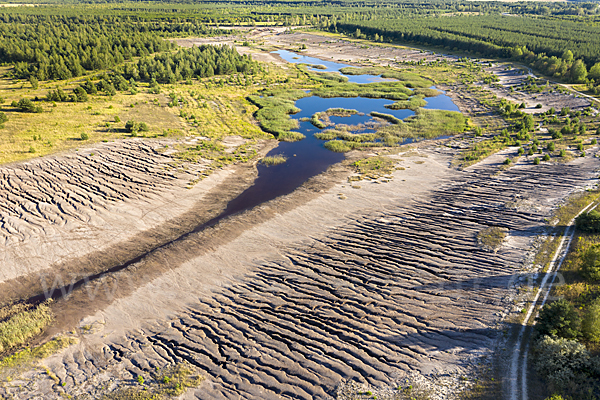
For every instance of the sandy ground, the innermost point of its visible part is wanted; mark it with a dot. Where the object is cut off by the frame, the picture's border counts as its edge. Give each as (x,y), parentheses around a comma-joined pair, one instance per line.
(514,77)
(69,216)
(374,283)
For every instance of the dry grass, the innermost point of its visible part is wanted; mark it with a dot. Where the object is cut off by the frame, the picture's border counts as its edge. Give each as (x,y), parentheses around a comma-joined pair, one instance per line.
(492,238)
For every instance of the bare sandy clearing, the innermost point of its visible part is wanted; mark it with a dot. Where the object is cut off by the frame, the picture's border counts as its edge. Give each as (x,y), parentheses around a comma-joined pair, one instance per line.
(57,210)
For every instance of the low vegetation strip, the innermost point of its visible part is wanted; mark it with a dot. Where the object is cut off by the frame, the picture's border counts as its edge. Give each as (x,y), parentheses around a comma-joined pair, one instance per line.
(568,330)
(21,324)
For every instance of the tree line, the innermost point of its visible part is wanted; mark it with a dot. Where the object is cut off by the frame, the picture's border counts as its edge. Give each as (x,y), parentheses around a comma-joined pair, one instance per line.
(60,47)
(562,48)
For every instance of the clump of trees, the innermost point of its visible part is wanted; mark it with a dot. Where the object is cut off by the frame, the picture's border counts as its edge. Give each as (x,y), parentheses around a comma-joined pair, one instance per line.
(134,127)
(45,47)
(197,62)
(26,105)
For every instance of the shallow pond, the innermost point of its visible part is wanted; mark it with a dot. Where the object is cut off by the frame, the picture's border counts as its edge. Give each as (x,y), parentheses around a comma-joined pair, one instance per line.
(330,66)
(307,158)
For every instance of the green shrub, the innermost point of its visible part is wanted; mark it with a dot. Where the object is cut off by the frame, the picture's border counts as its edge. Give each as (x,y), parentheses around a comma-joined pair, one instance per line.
(590,263)
(143,127)
(131,126)
(550,146)
(590,325)
(559,319)
(536,161)
(26,105)
(588,222)
(546,157)
(85,136)
(559,360)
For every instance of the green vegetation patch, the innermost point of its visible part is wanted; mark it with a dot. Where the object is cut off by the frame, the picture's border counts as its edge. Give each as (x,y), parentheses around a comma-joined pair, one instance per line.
(374,167)
(25,358)
(274,160)
(376,90)
(274,112)
(413,103)
(22,322)
(426,124)
(164,383)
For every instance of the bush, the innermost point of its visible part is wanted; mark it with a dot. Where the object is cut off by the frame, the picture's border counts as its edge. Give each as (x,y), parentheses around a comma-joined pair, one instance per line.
(536,161)
(546,157)
(551,146)
(85,136)
(590,262)
(588,222)
(80,95)
(559,319)
(556,134)
(590,326)
(3,118)
(131,126)
(507,161)
(559,360)
(27,105)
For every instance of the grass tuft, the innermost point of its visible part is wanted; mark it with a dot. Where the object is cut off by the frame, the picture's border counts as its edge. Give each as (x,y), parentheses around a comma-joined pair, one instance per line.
(273,160)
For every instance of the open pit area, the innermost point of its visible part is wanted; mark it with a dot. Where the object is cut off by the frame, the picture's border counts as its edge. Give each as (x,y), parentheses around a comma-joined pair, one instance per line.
(347,286)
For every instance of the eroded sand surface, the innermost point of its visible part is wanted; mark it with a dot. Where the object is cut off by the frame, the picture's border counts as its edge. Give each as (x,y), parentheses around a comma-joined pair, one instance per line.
(55,211)
(331,284)
(386,283)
